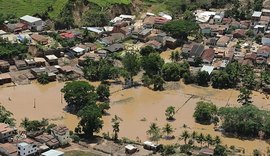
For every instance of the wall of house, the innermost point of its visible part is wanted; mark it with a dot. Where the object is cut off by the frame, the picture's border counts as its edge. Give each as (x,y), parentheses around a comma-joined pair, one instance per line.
(27,150)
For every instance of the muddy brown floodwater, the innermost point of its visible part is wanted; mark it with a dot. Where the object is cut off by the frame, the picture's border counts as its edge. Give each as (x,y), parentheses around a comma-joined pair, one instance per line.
(37,101)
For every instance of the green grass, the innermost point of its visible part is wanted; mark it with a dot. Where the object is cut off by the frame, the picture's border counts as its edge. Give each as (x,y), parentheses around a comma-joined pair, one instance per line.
(78,153)
(106,3)
(22,7)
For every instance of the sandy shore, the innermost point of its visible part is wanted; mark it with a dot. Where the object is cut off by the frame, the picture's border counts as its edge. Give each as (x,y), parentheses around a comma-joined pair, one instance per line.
(131,105)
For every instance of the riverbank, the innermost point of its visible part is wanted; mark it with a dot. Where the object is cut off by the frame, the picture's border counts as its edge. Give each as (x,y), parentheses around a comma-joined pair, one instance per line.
(138,107)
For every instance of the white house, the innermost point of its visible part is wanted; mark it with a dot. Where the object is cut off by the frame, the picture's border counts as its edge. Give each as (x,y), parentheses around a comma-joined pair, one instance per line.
(77,51)
(25,149)
(62,134)
(33,23)
(6,132)
(53,153)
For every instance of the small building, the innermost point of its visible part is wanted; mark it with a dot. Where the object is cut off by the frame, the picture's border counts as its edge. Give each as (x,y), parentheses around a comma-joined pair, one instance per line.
(30,63)
(130,149)
(266,41)
(92,56)
(8,149)
(6,132)
(218,18)
(38,71)
(66,70)
(255,18)
(265,12)
(51,59)
(25,149)
(170,42)
(208,69)
(115,48)
(53,153)
(151,146)
(40,61)
(143,34)
(102,53)
(113,38)
(15,27)
(62,134)
(196,50)
(155,44)
(33,23)
(208,56)
(223,41)
(21,64)
(239,33)
(5,78)
(40,39)
(4,66)
(48,139)
(77,51)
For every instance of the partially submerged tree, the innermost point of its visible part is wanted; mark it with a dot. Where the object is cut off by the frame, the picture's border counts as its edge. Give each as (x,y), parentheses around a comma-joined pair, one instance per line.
(116,126)
(245,96)
(170,112)
(103,92)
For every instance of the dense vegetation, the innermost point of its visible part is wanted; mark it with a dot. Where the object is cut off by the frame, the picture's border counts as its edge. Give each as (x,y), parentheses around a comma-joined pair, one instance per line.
(6,116)
(9,50)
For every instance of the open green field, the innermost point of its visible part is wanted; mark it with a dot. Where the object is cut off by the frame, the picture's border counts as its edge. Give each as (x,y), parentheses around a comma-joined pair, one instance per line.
(78,153)
(106,3)
(23,7)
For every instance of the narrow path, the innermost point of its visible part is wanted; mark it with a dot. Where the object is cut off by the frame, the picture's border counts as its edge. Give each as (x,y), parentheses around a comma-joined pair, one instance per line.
(185,103)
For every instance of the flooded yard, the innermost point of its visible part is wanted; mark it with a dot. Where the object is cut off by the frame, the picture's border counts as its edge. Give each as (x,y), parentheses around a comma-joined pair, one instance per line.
(138,107)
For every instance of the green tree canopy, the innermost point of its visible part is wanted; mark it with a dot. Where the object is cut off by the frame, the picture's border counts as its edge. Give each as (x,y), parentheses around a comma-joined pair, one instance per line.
(103,92)
(171,72)
(145,51)
(78,93)
(205,112)
(152,64)
(6,116)
(131,63)
(202,78)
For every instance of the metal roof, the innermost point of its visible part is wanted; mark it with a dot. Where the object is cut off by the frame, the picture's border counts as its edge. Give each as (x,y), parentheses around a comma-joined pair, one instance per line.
(30,19)
(257,14)
(52,153)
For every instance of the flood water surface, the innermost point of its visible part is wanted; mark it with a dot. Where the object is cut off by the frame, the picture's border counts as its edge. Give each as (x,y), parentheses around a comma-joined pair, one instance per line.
(137,107)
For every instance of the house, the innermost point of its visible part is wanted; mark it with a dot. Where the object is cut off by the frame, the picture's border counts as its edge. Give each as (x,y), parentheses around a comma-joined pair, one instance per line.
(14,27)
(40,39)
(113,38)
(8,149)
(21,64)
(102,53)
(6,132)
(208,56)
(196,50)
(211,41)
(40,61)
(77,51)
(151,146)
(256,17)
(67,35)
(91,46)
(4,66)
(265,41)
(264,51)
(235,24)
(92,56)
(259,28)
(170,42)
(218,18)
(66,70)
(226,21)
(51,59)
(47,139)
(38,71)
(130,149)
(187,47)
(245,24)
(25,149)
(30,63)
(62,134)
(223,41)
(33,23)
(239,33)
(143,34)
(204,16)
(265,12)
(207,29)
(115,47)
(53,153)
(208,69)
(5,78)
(155,44)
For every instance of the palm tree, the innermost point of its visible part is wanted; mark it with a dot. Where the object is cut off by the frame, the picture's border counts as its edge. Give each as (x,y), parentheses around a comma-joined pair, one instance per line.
(170,111)
(172,56)
(217,140)
(245,96)
(209,139)
(175,56)
(201,139)
(24,123)
(167,129)
(194,135)
(115,125)
(154,132)
(184,136)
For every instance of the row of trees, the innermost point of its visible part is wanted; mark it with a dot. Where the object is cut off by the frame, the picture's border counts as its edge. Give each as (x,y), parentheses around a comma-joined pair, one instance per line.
(10,50)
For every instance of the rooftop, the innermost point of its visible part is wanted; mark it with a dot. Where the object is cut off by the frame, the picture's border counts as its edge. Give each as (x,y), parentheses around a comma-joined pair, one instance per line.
(256,14)
(30,19)
(208,69)
(51,57)
(52,153)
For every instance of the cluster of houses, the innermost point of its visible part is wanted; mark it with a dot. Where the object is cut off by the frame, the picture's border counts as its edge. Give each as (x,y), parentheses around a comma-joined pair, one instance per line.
(225,39)
(15,143)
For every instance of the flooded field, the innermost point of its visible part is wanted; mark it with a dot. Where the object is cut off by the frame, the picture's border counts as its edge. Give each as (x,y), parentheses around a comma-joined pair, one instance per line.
(138,107)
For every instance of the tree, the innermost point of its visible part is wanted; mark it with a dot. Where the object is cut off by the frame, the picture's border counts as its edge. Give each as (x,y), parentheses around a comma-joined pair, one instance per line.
(145,51)
(168,150)
(43,78)
(170,112)
(167,129)
(204,112)
(115,125)
(188,15)
(6,116)
(256,152)
(188,78)
(90,120)
(104,106)
(95,18)
(184,136)
(175,56)
(171,72)
(78,93)
(217,140)
(158,82)
(220,79)
(103,92)
(200,139)
(131,64)
(152,64)
(220,151)
(154,132)
(34,125)
(250,33)
(245,96)
(209,139)
(202,78)
(180,29)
